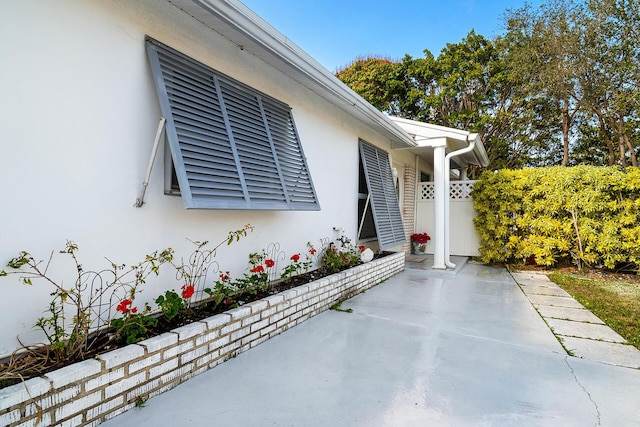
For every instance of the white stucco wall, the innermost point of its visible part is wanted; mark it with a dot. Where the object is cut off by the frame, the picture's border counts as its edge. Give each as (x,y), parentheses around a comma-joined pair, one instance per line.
(79,116)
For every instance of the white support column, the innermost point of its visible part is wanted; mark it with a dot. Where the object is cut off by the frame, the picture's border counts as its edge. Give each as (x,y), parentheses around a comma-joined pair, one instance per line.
(439,206)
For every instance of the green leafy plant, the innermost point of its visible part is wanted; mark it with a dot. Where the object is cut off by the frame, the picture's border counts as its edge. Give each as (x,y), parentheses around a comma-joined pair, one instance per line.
(170,304)
(336,259)
(73,315)
(132,326)
(586,215)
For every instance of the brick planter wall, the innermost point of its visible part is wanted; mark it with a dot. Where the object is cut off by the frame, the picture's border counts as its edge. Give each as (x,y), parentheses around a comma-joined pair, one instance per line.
(92,391)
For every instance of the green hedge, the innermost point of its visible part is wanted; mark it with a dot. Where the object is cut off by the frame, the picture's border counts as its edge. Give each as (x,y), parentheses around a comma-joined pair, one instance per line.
(589,215)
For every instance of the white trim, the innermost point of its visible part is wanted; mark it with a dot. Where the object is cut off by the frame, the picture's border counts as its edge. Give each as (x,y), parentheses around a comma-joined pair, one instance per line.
(252,34)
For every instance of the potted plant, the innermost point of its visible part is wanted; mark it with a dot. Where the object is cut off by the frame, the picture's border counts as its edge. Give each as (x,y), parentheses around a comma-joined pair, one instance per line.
(419,243)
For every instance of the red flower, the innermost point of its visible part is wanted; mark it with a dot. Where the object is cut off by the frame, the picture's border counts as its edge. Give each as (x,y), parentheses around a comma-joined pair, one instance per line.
(362,248)
(295,257)
(258,269)
(123,307)
(269,263)
(420,238)
(134,310)
(224,277)
(227,301)
(312,251)
(187,291)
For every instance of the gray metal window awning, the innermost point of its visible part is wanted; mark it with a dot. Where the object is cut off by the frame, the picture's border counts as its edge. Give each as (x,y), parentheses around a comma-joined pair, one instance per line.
(233,147)
(382,196)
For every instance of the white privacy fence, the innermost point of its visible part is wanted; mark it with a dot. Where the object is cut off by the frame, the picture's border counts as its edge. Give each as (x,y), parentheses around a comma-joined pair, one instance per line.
(464,239)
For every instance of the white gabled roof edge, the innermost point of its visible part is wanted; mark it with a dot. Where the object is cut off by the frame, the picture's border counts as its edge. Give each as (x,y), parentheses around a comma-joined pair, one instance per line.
(242,26)
(425,133)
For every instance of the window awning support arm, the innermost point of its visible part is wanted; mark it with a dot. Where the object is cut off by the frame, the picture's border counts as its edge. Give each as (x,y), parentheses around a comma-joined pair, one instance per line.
(364,214)
(154,151)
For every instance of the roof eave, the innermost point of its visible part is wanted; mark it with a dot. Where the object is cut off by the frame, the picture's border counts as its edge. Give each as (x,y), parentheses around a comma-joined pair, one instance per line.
(242,26)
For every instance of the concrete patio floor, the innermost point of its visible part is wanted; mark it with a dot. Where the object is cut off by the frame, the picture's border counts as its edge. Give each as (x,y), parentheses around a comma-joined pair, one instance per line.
(417,350)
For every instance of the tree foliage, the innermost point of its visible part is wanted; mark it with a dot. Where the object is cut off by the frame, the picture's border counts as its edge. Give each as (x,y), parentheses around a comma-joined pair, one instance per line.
(559,87)
(585,214)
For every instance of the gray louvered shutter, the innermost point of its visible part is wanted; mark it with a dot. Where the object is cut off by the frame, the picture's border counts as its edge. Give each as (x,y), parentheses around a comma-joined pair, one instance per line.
(384,201)
(232,146)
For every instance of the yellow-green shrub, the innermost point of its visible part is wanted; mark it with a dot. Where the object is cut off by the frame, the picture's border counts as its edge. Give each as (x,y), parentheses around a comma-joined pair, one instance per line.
(588,214)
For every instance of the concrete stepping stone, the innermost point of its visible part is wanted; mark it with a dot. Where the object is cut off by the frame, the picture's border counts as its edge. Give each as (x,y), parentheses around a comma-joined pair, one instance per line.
(606,352)
(552,300)
(584,330)
(565,313)
(545,290)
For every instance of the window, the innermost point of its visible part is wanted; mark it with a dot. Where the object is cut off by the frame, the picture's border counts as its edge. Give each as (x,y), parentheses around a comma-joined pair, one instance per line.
(378,208)
(232,146)
(425,177)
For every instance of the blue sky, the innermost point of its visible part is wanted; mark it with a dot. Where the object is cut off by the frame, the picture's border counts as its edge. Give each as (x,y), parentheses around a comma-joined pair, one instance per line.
(335,32)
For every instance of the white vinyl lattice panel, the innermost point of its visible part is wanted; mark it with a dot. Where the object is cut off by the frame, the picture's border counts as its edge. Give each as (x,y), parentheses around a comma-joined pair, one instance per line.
(427,191)
(458,190)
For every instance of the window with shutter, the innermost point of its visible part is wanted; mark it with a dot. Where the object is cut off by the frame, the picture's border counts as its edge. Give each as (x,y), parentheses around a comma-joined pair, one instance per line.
(232,146)
(381,196)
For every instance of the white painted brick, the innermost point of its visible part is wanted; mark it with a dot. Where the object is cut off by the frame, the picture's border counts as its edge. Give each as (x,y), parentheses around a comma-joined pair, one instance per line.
(189,331)
(104,379)
(73,422)
(36,422)
(52,399)
(267,312)
(259,325)
(170,353)
(144,363)
(266,331)
(194,354)
(207,337)
(240,312)
(143,390)
(108,406)
(178,374)
(125,384)
(283,322)
(215,322)
(207,359)
(230,349)
(231,327)
(17,393)
(156,371)
(241,333)
(119,411)
(304,289)
(160,342)
(121,356)
(290,294)
(296,301)
(219,343)
(277,332)
(186,346)
(10,417)
(72,373)
(315,285)
(194,373)
(244,348)
(274,300)
(259,341)
(247,340)
(258,306)
(78,405)
(276,317)
(161,390)
(251,319)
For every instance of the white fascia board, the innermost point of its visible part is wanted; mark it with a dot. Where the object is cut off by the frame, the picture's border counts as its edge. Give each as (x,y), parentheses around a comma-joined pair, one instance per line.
(428,135)
(242,26)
